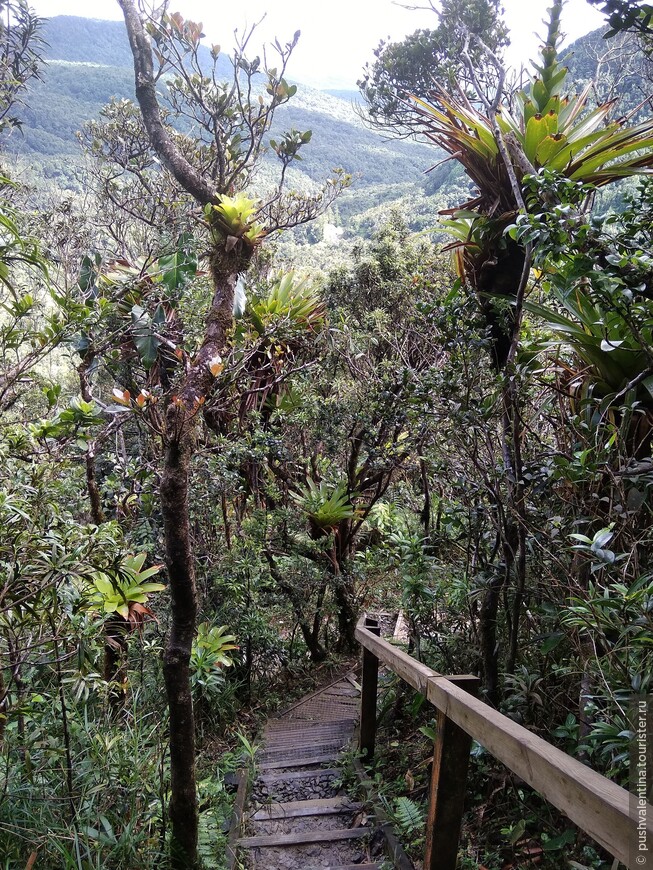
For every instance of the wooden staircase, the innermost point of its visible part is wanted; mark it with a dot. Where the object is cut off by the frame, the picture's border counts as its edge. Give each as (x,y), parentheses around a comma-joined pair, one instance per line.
(300,817)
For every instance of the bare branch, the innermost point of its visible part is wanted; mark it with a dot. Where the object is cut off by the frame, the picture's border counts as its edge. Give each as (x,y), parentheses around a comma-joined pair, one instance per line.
(162,143)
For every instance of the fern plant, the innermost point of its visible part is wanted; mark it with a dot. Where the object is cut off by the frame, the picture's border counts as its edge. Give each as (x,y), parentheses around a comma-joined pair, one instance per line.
(406,815)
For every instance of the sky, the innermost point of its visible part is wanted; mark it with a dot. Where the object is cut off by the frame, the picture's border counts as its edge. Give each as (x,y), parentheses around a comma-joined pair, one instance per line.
(339,36)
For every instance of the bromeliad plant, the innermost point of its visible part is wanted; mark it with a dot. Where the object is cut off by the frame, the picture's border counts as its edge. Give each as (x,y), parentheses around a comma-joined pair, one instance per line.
(291,301)
(122,595)
(500,144)
(210,655)
(126,592)
(233,218)
(325,505)
(274,329)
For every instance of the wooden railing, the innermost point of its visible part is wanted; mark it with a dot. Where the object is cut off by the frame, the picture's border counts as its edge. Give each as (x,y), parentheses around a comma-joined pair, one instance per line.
(599,807)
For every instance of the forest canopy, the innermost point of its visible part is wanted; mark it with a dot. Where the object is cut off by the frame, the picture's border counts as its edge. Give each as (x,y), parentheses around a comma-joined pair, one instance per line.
(240,409)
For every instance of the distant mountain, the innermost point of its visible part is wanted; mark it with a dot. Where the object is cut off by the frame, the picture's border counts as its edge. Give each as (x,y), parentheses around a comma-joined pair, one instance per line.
(350,96)
(89,62)
(624,72)
(87,40)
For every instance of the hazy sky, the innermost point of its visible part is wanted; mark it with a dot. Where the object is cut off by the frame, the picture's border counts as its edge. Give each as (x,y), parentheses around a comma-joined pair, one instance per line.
(338,36)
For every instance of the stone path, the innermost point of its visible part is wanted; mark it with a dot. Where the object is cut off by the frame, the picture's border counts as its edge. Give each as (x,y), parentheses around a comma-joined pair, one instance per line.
(299,815)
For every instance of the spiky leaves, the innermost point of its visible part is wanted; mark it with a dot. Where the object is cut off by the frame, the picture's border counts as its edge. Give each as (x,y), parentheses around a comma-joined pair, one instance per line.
(325,505)
(292,303)
(544,129)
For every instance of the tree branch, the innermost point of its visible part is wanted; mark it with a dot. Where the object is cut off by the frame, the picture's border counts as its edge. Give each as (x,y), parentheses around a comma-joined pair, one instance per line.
(161,141)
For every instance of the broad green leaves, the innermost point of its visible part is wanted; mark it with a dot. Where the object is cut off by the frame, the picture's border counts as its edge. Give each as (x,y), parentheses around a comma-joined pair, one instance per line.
(233,219)
(126,591)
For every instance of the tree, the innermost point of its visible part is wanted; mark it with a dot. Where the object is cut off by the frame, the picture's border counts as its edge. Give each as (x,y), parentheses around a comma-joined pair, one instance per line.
(233,118)
(428,58)
(627,15)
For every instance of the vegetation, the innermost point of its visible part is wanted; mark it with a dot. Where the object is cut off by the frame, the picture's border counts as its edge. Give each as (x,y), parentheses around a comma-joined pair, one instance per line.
(216,455)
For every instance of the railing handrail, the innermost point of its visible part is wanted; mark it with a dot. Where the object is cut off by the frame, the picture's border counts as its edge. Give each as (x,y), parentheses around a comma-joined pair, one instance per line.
(596,804)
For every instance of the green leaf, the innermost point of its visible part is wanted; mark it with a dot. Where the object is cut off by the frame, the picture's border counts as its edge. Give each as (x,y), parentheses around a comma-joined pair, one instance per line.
(565,839)
(517,832)
(551,642)
(178,268)
(145,340)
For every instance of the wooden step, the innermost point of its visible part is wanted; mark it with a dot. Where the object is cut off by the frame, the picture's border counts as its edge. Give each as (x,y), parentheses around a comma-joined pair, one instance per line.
(341,692)
(347,867)
(312,748)
(302,837)
(280,763)
(337,738)
(284,726)
(315,807)
(351,867)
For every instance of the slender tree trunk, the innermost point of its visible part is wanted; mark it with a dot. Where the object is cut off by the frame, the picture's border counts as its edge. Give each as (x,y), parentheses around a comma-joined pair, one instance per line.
(97,513)
(4,706)
(116,644)
(311,634)
(184,812)
(487,629)
(343,594)
(425,514)
(181,424)
(115,662)
(514,433)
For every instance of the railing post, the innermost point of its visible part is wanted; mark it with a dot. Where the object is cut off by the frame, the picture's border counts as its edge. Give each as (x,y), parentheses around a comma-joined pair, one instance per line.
(448,786)
(369,682)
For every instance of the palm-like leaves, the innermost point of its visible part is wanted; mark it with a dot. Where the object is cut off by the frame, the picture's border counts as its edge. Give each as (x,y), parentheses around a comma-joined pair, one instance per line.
(546,129)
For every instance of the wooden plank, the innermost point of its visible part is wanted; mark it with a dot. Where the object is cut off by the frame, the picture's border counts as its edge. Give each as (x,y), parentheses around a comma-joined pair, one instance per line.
(300,774)
(354,683)
(303,700)
(301,837)
(236,818)
(447,792)
(312,732)
(413,672)
(590,800)
(335,738)
(274,750)
(276,753)
(369,683)
(338,692)
(275,725)
(316,807)
(299,762)
(401,631)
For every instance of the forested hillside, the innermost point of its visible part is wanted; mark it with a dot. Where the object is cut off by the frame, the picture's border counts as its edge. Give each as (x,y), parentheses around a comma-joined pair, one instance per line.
(89,63)
(246,399)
